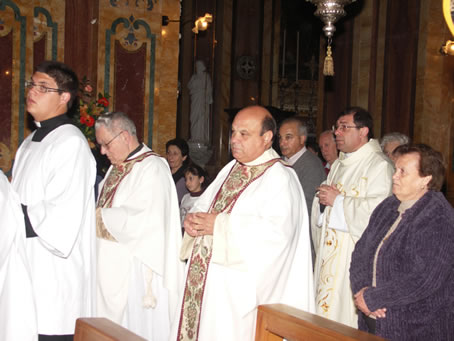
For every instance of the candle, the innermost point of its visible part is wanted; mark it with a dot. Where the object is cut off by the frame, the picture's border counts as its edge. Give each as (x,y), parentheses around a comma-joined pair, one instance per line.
(297,52)
(283,54)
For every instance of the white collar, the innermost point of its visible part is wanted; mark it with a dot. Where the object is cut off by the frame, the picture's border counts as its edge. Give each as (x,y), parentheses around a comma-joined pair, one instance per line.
(267,155)
(291,160)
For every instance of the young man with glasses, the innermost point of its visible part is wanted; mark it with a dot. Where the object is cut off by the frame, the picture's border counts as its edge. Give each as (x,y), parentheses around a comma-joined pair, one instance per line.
(358,181)
(54,174)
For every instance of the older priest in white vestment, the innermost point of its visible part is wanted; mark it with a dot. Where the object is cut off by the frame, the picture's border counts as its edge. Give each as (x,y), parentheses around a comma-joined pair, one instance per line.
(17,304)
(358,181)
(247,240)
(139,233)
(54,175)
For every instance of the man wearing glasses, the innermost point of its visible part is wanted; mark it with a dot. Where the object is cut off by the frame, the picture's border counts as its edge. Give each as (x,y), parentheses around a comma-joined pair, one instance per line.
(139,274)
(358,181)
(54,174)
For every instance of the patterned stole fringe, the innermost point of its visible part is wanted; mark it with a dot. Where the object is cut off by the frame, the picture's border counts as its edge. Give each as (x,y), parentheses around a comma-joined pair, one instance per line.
(116,176)
(239,178)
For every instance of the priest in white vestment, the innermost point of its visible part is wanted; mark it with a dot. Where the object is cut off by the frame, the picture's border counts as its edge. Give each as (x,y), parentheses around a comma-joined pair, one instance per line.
(17,304)
(246,240)
(139,233)
(54,175)
(358,181)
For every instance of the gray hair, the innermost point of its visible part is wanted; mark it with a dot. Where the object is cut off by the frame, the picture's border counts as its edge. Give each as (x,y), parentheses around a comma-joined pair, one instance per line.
(116,120)
(328,132)
(302,129)
(391,137)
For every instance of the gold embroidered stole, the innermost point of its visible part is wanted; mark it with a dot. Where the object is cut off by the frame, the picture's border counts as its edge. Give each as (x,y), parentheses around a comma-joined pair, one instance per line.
(116,176)
(239,178)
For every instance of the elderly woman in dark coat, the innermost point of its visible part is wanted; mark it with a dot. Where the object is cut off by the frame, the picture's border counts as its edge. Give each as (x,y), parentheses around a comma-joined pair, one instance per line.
(402,269)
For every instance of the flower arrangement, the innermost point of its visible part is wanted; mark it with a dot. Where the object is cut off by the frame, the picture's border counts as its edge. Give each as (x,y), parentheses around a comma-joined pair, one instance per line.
(89,110)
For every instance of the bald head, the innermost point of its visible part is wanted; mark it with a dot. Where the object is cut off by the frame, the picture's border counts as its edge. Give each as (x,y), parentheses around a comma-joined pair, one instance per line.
(253,130)
(327,144)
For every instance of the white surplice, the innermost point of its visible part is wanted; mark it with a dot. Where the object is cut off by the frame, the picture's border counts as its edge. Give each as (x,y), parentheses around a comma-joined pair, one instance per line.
(55,179)
(17,305)
(261,253)
(364,178)
(143,262)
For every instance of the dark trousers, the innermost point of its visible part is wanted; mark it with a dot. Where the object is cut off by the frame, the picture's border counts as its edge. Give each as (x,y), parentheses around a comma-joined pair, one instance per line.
(55,337)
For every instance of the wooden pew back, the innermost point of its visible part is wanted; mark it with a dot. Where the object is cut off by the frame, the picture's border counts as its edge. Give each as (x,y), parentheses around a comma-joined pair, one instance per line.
(278,321)
(102,329)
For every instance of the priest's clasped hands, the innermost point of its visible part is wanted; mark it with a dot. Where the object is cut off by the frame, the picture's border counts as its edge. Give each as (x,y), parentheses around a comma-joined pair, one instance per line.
(327,194)
(199,223)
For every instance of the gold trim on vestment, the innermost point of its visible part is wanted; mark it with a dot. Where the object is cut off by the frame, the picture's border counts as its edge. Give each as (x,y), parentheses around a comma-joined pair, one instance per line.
(239,178)
(115,177)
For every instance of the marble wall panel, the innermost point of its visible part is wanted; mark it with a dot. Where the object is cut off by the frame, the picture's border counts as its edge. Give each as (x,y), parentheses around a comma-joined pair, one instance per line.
(81,37)
(25,22)
(37,32)
(48,24)
(129,89)
(39,50)
(167,70)
(16,21)
(133,25)
(6,42)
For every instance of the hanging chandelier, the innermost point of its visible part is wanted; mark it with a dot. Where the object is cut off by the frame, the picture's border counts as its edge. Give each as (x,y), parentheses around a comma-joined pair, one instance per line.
(330,11)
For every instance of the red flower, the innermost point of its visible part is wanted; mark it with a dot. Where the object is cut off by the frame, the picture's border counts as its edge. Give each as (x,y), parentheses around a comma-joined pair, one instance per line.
(90,107)
(87,120)
(90,121)
(103,101)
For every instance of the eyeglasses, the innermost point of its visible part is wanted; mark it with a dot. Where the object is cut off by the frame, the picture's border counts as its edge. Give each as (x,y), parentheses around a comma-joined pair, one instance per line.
(41,88)
(342,127)
(106,145)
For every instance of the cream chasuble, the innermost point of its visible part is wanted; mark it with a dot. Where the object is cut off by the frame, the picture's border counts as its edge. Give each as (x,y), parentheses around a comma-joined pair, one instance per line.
(364,179)
(259,252)
(139,235)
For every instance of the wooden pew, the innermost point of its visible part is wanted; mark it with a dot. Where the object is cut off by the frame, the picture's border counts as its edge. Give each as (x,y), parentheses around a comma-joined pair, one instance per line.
(278,321)
(102,329)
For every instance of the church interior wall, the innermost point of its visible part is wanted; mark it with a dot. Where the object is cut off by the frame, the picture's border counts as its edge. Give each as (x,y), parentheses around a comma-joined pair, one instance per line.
(386,57)
(120,46)
(434,105)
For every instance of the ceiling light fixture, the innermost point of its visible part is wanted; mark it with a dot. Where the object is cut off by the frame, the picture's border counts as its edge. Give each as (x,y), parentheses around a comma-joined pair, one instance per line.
(330,11)
(201,24)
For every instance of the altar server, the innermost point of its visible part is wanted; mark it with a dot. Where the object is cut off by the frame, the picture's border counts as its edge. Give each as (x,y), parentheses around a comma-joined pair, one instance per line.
(54,174)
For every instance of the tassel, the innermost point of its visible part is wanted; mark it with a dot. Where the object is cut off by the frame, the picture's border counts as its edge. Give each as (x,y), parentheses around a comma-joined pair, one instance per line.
(149,300)
(328,67)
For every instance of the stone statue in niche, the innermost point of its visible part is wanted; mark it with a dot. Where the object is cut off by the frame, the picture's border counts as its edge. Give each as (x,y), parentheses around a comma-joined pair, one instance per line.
(201,92)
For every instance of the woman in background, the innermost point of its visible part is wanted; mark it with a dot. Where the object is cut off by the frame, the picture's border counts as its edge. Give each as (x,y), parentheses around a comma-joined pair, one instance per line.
(177,151)
(402,269)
